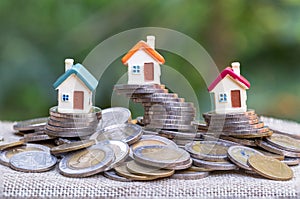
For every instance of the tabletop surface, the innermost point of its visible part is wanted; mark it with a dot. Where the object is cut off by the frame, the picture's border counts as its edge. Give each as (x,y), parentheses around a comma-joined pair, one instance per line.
(232,184)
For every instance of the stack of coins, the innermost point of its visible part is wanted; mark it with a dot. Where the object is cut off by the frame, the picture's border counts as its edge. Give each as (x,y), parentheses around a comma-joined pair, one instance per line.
(72,124)
(162,110)
(235,126)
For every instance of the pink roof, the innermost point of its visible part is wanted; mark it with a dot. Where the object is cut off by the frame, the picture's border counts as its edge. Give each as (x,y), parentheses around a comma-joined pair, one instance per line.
(229,71)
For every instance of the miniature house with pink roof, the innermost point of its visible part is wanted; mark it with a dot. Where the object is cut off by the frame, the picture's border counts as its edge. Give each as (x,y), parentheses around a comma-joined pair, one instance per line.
(143,63)
(229,90)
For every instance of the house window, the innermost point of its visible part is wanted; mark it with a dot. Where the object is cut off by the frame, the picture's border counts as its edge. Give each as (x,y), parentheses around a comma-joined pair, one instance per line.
(136,70)
(65,98)
(223,97)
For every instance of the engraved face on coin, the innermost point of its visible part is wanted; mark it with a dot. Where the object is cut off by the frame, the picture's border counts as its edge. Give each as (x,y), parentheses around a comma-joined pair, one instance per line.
(32,161)
(284,142)
(240,154)
(86,162)
(114,115)
(8,153)
(270,167)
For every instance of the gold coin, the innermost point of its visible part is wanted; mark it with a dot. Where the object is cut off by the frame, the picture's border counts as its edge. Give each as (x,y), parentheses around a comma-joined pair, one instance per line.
(10,143)
(123,171)
(284,142)
(273,155)
(194,168)
(135,168)
(270,167)
(73,146)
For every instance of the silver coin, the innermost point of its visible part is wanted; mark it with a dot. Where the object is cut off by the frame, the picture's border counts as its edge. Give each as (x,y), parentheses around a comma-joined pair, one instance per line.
(189,175)
(115,115)
(222,166)
(32,161)
(142,91)
(30,125)
(208,150)
(37,136)
(291,161)
(86,162)
(120,149)
(157,99)
(149,132)
(73,124)
(173,113)
(274,149)
(170,104)
(178,134)
(171,117)
(75,120)
(63,129)
(161,156)
(239,155)
(171,95)
(95,113)
(227,115)
(231,123)
(111,174)
(136,86)
(129,133)
(182,166)
(8,153)
(284,142)
(172,126)
(69,134)
(245,142)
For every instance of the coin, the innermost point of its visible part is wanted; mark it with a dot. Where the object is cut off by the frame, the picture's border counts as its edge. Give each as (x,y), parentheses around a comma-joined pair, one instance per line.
(114,115)
(72,124)
(270,167)
(8,153)
(171,117)
(31,125)
(136,168)
(284,142)
(245,142)
(274,149)
(254,135)
(63,129)
(190,174)
(86,162)
(182,127)
(270,154)
(227,115)
(181,166)
(168,121)
(136,86)
(161,156)
(73,146)
(222,166)
(120,149)
(194,168)
(178,134)
(68,134)
(157,99)
(240,154)
(169,104)
(74,120)
(111,174)
(36,136)
(10,143)
(291,161)
(123,171)
(94,113)
(129,133)
(153,140)
(32,161)
(208,150)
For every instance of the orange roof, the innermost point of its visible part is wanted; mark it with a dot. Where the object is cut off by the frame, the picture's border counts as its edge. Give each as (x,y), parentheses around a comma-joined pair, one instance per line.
(144,46)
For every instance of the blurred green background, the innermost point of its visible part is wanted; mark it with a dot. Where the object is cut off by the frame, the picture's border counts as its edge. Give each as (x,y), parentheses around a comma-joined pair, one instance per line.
(37,35)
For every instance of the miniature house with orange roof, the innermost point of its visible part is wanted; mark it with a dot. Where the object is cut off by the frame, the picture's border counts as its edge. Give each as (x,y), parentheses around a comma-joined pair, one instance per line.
(143,63)
(75,89)
(229,90)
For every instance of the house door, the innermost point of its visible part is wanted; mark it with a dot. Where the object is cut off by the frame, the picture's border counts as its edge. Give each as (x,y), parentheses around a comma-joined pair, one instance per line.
(235,98)
(78,100)
(148,71)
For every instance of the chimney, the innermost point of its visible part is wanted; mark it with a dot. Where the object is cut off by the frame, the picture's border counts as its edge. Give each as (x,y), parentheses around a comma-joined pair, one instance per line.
(151,41)
(236,68)
(68,64)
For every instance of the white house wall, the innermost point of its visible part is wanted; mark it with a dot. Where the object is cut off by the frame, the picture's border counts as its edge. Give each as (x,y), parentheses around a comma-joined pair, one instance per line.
(139,58)
(71,84)
(227,85)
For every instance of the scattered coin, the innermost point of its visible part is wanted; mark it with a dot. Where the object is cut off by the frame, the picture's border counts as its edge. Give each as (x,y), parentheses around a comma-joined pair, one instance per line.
(161,156)
(113,116)
(10,143)
(284,142)
(32,161)
(274,149)
(73,146)
(245,142)
(270,154)
(208,150)
(123,171)
(136,168)
(36,136)
(129,133)
(221,165)
(31,125)
(111,174)
(291,161)
(190,174)
(86,162)
(195,168)
(270,167)
(8,153)
(153,140)
(240,154)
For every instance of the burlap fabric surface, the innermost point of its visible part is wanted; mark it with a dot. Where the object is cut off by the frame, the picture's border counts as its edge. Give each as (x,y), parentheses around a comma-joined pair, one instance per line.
(218,185)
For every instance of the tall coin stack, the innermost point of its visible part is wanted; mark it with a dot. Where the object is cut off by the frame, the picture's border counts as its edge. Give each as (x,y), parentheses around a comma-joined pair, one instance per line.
(162,110)
(70,125)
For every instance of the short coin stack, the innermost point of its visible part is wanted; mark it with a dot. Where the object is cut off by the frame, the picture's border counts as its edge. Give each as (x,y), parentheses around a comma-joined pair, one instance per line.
(162,110)
(70,125)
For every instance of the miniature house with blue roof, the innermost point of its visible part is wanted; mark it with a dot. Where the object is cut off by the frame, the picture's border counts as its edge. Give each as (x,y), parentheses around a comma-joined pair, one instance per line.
(75,89)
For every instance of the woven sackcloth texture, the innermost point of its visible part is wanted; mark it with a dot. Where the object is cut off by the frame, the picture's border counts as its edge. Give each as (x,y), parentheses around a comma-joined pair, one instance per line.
(218,185)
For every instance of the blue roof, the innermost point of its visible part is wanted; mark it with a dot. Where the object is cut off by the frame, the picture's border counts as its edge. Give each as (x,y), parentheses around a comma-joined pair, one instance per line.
(82,73)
